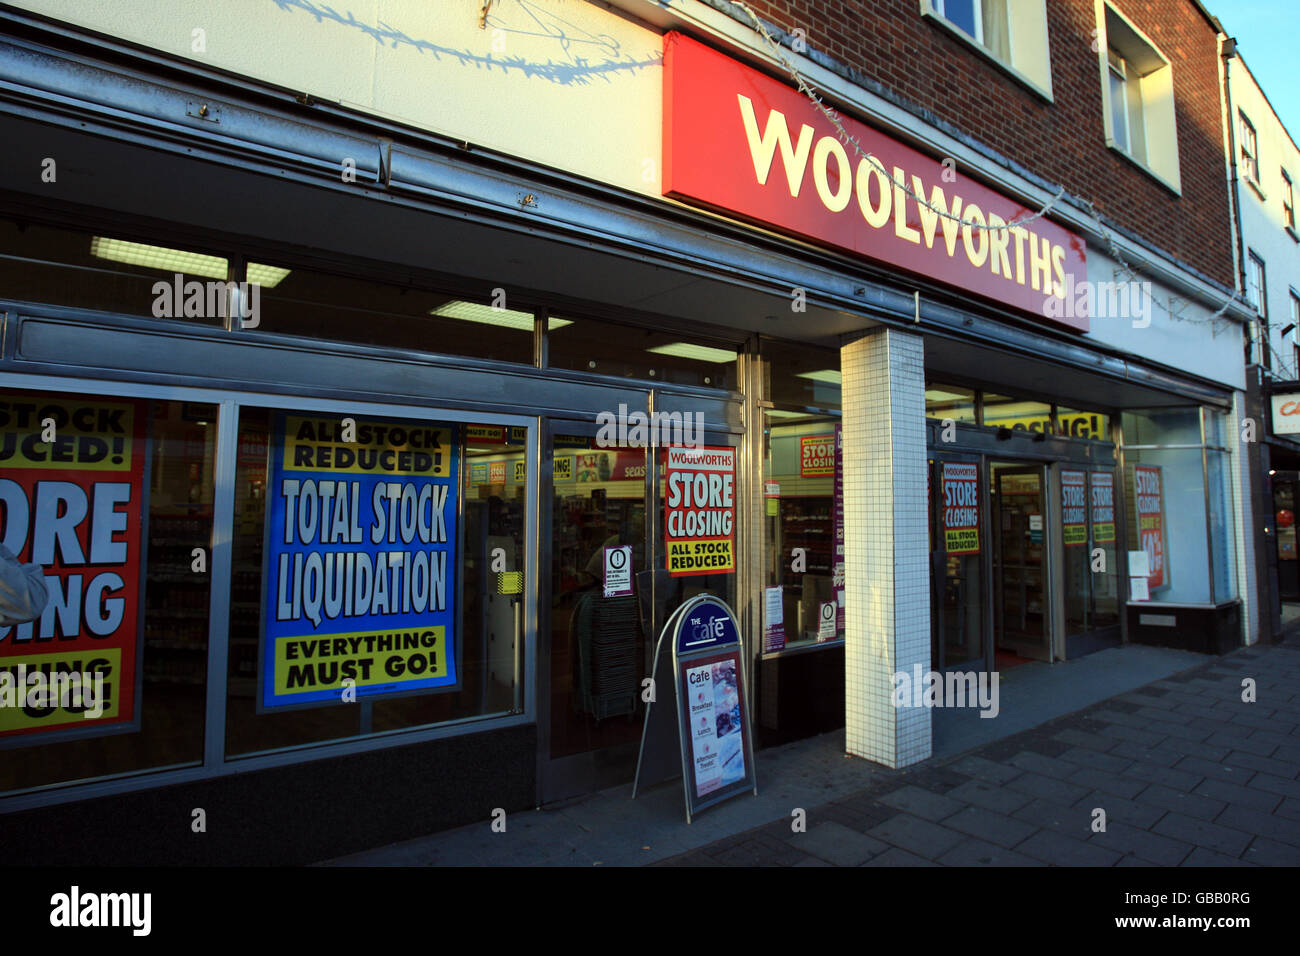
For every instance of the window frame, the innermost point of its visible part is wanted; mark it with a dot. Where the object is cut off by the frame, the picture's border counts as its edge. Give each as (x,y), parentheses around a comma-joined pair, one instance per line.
(1258,295)
(1295,339)
(1117,66)
(215,761)
(1249,157)
(1038,79)
(1288,204)
(1153,91)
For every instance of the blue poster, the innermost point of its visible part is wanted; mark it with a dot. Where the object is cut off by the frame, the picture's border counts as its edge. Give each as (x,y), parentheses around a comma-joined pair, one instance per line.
(360,560)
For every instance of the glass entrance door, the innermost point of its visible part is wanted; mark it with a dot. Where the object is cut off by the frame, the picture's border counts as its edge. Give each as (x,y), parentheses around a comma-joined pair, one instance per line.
(1090,573)
(602,637)
(958,547)
(1022,603)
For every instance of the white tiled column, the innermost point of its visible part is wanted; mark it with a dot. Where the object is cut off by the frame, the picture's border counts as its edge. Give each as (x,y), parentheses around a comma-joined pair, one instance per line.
(886,549)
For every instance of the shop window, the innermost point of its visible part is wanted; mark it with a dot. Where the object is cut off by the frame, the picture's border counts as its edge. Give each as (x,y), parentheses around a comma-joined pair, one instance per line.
(1137,97)
(1079,423)
(1016,413)
(949,401)
(604,348)
(1011,33)
(1179,502)
(801,375)
(803,530)
(378,576)
(344,309)
(599,647)
(112,496)
(88,271)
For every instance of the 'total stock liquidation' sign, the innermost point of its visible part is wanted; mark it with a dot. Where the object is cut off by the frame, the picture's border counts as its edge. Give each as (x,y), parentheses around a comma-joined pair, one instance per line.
(360,560)
(700,517)
(961,511)
(738,140)
(72,497)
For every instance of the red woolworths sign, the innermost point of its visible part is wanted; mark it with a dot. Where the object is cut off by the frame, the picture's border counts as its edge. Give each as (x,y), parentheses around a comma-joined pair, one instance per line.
(737,140)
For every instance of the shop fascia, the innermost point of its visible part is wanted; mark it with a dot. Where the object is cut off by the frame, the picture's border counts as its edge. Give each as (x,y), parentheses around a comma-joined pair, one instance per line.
(998,246)
(727,127)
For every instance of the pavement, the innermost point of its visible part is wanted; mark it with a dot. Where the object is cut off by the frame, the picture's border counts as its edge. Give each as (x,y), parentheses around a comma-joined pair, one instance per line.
(1134,756)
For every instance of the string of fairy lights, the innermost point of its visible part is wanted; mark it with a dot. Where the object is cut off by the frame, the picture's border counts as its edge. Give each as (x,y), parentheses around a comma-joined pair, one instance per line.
(1126,272)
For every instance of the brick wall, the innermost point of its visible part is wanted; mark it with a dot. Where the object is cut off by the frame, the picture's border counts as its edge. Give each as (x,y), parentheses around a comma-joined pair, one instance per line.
(1063,142)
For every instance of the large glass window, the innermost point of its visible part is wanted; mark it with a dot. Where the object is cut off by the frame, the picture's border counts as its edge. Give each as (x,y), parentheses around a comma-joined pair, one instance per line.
(89,271)
(801,375)
(319,305)
(1017,413)
(378,575)
(803,529)
(604,348)
(1179,503)
(599,620)
(1079,423)
(949,402)
(112,497)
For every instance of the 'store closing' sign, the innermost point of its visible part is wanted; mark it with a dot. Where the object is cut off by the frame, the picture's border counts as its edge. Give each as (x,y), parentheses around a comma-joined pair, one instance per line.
(961,513)
(816,456)
(700,517)
(73,490)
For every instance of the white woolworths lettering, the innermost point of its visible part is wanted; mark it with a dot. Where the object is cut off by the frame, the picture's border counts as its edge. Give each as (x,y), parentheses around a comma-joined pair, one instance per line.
(984,240)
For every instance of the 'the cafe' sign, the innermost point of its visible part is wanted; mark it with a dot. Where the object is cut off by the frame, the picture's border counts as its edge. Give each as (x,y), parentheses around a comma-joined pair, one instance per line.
(1286,414)
(737,140)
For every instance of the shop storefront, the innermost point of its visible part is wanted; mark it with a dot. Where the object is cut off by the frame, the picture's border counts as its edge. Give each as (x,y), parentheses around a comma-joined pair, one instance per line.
(1280,465)
(342,482)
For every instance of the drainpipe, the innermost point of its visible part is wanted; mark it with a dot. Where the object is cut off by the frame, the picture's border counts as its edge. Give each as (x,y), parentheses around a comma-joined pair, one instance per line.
(1228,53)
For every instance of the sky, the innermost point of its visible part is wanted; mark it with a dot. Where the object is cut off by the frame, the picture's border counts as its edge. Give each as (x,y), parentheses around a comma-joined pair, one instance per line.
(1267,32)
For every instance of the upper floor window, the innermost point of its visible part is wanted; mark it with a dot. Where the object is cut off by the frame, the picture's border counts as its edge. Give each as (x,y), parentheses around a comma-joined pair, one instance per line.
(1249,151)
(1126,108)
(1138,98)
(1288,203)
(1255,285)
(1295,324)
(984,20)
(1012,33)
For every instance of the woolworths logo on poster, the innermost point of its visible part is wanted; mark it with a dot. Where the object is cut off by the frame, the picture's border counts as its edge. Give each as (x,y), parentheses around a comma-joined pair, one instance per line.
(699,527)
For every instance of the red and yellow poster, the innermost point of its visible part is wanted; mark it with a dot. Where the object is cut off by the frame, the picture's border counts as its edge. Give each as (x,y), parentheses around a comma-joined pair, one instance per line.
(700,513)
(961,511)
(72,499)
(1103,506)
(817,456)
(1149,503)
(1074,513)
